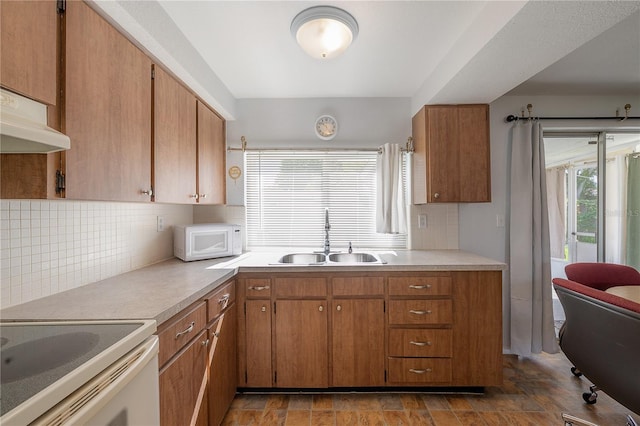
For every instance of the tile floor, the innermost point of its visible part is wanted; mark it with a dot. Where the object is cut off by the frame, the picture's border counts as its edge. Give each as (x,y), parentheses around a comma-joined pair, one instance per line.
(535,392)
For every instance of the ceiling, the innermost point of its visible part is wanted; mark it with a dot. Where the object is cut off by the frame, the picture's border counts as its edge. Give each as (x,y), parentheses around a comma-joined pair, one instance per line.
(429,51)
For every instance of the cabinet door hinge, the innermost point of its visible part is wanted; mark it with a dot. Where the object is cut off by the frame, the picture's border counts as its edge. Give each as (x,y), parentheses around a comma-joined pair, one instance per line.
(245,310)
(385,376)
(275,377)
(153,72)
(274,308)
(246,377)
(384,306)
(61,6)
(60,181)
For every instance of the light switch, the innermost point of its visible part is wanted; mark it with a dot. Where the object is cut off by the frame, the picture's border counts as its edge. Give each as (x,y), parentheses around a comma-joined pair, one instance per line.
(500,221)
(160,224)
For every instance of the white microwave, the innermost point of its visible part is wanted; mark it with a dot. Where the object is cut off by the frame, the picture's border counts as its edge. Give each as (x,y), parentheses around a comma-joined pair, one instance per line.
(206,241)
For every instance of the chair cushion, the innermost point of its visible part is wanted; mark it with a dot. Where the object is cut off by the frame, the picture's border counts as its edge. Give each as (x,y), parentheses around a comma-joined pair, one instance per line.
(602,275)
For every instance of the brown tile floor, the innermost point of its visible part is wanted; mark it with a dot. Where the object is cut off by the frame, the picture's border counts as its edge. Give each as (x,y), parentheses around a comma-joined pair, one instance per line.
(535,392)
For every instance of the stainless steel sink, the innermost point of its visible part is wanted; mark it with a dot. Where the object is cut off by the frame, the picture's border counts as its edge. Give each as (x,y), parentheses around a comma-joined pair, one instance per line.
(303,258)
(354,258)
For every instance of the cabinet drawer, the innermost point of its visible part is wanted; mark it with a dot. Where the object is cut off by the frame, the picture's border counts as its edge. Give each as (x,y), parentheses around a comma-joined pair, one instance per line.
(357,286)
(257,288)
(301,287)
(422,371)
(424,311)
(405,342)
(180,330)
(419,286)
(219,300)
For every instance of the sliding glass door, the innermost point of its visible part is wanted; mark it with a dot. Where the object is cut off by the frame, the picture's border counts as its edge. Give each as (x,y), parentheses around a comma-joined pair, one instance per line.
(593,185)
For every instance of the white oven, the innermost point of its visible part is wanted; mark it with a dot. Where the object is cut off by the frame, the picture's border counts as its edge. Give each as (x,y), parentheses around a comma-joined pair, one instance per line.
(72,373)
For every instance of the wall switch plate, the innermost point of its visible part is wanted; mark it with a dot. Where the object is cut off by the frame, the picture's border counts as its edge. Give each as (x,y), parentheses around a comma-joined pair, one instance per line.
(160,223)
(500,221)
(422,221)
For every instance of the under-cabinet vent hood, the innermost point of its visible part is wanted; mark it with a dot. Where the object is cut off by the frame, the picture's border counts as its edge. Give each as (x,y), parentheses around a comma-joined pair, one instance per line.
(23,127)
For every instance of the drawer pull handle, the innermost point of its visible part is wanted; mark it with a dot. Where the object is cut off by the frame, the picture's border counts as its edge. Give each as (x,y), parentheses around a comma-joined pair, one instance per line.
(186,330)
(419,287)
(413,311)
(224,300)
(259,287)
(420,343)
(423,371)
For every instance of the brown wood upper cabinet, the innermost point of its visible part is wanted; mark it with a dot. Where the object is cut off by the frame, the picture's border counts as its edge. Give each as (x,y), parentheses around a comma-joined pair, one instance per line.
(29,33)
(107,111)
(211,157)
(174,143)
(452,154)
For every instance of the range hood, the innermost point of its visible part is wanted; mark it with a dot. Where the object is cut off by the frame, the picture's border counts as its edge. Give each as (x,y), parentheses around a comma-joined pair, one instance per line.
(23,127)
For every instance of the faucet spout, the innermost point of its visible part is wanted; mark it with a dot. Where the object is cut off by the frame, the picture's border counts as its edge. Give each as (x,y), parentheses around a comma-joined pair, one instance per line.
(327,227)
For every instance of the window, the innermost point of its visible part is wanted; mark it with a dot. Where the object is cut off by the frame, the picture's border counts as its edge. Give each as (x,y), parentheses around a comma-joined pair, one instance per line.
(287,192)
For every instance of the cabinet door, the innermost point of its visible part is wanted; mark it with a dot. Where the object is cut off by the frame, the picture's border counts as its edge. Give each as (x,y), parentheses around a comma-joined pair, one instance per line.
(358,342)
(301,344)
(475,156)
(107,111)
(223,369)
(174,141)
(211,157)
(29,33)
(442,154)
(258,343)
(181,384)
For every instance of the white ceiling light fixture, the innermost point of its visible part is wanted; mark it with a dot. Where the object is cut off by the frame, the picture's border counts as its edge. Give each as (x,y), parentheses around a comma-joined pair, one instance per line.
(324,31)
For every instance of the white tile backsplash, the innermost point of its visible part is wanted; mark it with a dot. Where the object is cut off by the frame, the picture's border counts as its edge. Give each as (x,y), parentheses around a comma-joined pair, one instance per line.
(50,246)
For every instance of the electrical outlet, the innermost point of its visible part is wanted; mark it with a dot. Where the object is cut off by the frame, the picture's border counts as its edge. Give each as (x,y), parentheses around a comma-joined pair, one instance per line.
(160,223)
(500,221)
(422,221)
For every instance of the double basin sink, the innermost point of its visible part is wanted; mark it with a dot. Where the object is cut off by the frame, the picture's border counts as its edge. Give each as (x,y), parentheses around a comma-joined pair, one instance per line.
(313,259)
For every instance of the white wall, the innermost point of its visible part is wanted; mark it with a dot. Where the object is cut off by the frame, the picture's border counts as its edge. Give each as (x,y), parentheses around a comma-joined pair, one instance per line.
(362,123)
(51,246)
(477,222)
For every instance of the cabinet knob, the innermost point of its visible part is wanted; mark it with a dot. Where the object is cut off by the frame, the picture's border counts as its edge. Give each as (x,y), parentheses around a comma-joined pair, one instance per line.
(339,308)
(148,192)
(321,308)
(263,309)
(205,342)
(193,196)
(436,195)
(203,195)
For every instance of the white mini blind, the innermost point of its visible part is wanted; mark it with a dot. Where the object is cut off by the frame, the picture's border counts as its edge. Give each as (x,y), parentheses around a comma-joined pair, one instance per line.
(287,192)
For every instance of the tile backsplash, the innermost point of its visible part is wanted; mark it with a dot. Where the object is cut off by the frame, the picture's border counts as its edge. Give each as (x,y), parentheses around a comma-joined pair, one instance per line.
(51,246)
(47,247)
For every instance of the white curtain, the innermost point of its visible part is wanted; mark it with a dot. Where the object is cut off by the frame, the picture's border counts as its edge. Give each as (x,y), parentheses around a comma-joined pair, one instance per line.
(391,216)
(556,200)
(532,329)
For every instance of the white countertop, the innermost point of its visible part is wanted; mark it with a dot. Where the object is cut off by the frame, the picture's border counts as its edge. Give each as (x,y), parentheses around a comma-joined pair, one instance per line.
(160,291)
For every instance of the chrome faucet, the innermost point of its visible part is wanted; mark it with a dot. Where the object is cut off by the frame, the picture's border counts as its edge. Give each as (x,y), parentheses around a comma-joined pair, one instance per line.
(327,226)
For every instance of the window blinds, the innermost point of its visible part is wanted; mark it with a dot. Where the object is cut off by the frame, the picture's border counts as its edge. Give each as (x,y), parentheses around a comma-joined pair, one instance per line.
(287,192)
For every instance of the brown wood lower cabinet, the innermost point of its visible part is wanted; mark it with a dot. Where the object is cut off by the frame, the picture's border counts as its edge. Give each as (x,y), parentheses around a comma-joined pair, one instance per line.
(223,365)
(378,329)
(180,383)
(301,354)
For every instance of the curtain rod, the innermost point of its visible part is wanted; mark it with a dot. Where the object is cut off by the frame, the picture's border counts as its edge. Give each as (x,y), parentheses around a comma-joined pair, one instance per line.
(627,108)
(408,148)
